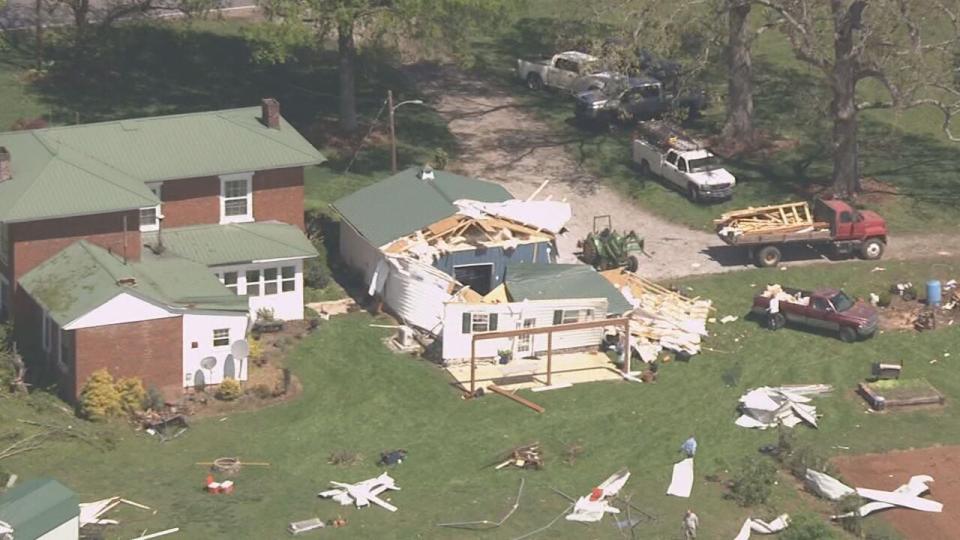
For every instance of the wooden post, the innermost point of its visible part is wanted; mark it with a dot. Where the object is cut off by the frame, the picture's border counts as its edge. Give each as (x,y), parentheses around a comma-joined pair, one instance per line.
(393,134)
(549,358)
(627,353)
(473,367)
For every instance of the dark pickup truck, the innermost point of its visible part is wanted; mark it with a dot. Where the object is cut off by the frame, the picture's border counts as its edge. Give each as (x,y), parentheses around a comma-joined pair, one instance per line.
(823,309)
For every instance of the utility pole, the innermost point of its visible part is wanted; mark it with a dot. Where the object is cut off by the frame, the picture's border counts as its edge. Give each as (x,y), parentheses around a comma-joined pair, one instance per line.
(393,134)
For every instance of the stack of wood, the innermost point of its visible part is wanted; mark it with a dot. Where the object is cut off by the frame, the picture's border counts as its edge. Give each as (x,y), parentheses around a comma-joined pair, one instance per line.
(661,319)
(781,218)
(528,456)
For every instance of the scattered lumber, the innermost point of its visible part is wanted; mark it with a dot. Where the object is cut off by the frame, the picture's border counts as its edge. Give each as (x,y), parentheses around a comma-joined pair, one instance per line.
(307,525)
(523,401)
(780,218)
(529,456)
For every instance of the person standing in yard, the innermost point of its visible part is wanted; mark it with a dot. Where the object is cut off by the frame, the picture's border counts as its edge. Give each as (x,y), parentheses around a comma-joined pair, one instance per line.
(689,447)
(690,524)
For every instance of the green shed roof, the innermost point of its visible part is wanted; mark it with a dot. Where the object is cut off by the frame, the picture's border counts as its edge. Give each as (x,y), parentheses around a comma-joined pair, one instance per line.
(528,281)
(403,203)
(38,506)
(84,276)
(94,168)
(214,245)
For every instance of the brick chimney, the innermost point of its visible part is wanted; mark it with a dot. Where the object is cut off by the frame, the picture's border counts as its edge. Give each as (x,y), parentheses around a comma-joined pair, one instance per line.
(6,173)
(270,113)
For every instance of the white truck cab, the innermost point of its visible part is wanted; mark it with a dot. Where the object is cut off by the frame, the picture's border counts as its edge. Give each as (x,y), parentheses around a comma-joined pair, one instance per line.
(685,165)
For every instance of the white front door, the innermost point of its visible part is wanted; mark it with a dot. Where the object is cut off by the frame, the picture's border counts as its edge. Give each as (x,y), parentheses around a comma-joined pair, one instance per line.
(523,345)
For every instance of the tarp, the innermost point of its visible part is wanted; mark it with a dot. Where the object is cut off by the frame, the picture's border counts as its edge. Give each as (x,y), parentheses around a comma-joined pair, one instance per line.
(682,482)
(762,527)
(550,216)
(827,486)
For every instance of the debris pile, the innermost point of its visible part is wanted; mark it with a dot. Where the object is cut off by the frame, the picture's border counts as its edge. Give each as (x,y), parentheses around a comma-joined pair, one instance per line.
(926,320)
(91,513)
(661,318)
(592,507)
(782,218)
(778,293)
(905,496)
(524,457)
(768,407)
(363,493)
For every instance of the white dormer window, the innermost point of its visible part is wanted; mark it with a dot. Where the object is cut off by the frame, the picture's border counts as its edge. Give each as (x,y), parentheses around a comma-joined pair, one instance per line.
(150,216)
(236,198)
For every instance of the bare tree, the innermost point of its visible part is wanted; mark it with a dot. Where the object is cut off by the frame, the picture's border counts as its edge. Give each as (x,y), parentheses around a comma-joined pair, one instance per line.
(907,46)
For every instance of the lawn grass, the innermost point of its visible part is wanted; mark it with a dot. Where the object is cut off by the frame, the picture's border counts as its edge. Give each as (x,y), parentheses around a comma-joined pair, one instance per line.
(361,398)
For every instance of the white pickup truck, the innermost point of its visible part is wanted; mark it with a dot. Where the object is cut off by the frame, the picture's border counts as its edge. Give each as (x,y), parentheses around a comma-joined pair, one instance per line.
(567,71)
(684,164)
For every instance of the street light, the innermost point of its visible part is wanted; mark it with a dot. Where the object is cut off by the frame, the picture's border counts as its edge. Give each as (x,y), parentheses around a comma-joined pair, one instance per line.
(393,134)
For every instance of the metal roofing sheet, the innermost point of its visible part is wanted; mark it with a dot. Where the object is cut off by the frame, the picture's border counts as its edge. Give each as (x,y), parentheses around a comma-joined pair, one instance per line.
(237,242)
(403,203)
(527,281)
(101,167)
(38,506)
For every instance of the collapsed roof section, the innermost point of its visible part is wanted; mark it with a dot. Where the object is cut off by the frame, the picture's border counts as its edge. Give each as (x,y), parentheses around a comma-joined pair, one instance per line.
(476,224)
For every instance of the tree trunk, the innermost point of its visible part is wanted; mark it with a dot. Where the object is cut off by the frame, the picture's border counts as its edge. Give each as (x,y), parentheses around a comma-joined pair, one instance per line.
(843,107)
(347,49)
(739,124)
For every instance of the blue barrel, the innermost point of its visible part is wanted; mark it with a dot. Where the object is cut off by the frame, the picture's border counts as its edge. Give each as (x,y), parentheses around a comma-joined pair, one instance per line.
(934,293)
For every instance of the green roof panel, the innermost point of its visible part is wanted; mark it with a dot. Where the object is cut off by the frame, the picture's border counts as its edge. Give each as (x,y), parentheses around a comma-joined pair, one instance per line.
(84,276)
(95,168)
(38,506)
(403,203)
(215,245)
(528,281)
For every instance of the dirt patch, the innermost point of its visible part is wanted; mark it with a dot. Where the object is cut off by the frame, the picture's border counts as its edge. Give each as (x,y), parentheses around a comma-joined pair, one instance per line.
(891,470)
(902,314)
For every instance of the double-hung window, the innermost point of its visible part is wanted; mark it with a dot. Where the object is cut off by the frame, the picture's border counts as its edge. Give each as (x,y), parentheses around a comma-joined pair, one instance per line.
(229,279)
(221,337)
(236,198)
(288,278)
(150,216)
(479,322)
(571,316)
(254,281)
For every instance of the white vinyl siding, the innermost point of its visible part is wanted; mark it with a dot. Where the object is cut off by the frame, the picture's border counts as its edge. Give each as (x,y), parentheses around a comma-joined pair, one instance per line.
(236,198)
(273,285)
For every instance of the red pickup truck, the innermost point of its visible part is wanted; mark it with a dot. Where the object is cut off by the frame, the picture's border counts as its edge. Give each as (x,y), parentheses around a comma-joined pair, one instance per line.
(823,309)
(851,231)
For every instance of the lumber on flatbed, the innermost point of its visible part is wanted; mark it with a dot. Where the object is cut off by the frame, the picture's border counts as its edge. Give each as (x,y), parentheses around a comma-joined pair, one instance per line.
(523,401)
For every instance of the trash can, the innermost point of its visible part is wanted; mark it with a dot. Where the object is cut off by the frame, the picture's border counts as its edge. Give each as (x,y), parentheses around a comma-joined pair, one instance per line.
(934,293)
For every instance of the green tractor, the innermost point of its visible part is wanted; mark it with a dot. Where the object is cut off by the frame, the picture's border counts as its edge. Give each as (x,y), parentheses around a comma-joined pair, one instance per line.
(605,248)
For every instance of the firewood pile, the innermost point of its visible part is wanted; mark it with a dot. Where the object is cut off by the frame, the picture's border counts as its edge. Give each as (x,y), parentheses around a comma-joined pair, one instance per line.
(781,218)
(523,457)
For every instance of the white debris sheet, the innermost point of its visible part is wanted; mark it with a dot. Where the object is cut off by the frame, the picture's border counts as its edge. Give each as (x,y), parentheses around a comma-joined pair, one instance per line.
(90,513)
(827,486)
(550,216)
(767,407)
(591,508)
(682,482)
(917,486)
(362,493)
(661,318)
(754,525)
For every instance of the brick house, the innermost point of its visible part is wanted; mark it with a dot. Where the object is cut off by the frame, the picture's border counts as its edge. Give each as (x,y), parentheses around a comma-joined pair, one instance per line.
(185,222)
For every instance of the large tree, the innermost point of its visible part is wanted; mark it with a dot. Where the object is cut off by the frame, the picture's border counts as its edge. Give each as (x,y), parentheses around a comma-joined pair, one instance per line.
(447,25)
(906,46)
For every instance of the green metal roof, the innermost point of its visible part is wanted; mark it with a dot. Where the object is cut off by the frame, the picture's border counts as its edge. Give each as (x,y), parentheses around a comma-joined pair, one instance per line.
(214,245)
(94,168)
(403,203)
(84,276)
(38,506)
(528,281)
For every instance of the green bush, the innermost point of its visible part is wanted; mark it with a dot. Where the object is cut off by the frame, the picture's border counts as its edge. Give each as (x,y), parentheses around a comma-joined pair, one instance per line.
(228,390)
(154,400)
(854,523)
(885,299)
(808,526)
(99,399)
(753,481)
(132,394)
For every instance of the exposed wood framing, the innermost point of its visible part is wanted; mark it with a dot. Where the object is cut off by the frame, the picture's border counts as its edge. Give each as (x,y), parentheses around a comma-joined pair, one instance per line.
(781,218)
